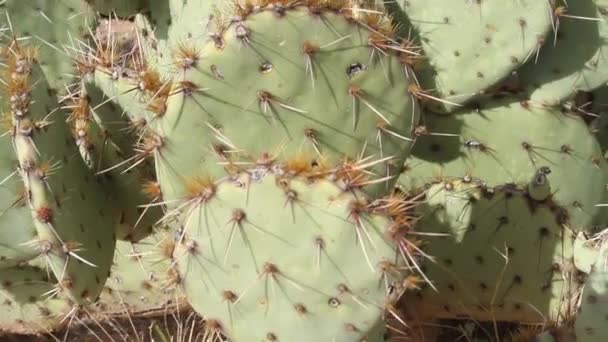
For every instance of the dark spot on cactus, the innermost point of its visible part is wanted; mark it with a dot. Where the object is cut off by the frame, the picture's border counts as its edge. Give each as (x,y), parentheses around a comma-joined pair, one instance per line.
(479,259)
(456,53)
(265,67)
(446,308)
(229,296)
(98,244)
(271,337)
(333,302)
(435,147)
(483,287)
(487,40)
(517,307)
(556,71)
(517,280)
(31,299)
(44,311)
(522,23)
(543,232)
(510,251)
(472,227)
(566,149)
(451,287)
(446,20)
(300,308)
(7,284)
(591,299)
(451,92)
(447,262)
(354,69)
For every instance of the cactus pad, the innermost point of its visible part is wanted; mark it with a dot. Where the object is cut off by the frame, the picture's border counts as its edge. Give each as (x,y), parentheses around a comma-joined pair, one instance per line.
(500,256)
(25,307)
(591,320)
(472,45)
(309,257)
(74,221)
(575,58)
(269,87)
(468,145)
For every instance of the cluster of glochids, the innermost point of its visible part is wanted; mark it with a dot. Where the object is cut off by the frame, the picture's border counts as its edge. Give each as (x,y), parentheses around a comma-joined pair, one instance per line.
(331,170)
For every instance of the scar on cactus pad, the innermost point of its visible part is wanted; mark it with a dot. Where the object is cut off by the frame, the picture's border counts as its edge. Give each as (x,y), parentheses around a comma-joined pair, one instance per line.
(320,84)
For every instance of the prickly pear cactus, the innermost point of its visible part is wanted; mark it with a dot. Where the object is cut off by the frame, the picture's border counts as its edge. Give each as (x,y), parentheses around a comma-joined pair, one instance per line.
(248,97)
(26,305)
(57,27)
(16,225)
(73,220)
(139,282)
(472,45)
(566,63)
(591,320)
(469,145)
(309,257)
(499,254)
(103,136)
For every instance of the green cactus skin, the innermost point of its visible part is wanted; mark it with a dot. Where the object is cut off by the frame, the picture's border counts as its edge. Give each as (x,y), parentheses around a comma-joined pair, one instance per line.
(573,63)
(256,99)
(529,139)
(16,226)
(138,283)
(262,257)
(74,220)
(472,45)
(56,26)
(500,256)
(25,308)
(104,137)
(590,323)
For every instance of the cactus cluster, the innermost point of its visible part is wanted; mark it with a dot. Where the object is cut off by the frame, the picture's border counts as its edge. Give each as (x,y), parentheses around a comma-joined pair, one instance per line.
(331,170)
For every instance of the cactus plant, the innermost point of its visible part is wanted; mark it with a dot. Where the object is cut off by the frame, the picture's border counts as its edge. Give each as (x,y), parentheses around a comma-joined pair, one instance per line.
(270,134)
(324,264)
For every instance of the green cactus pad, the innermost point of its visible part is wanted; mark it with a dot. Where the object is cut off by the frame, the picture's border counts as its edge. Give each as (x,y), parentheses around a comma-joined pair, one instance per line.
(56,26)
(528,140)
(591,319)
(272,86)
(578,60)
(106,140)
(24,304)
(138,283)
(472,45)
(262,258)
(500,256)
(74,220)
(16,225)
